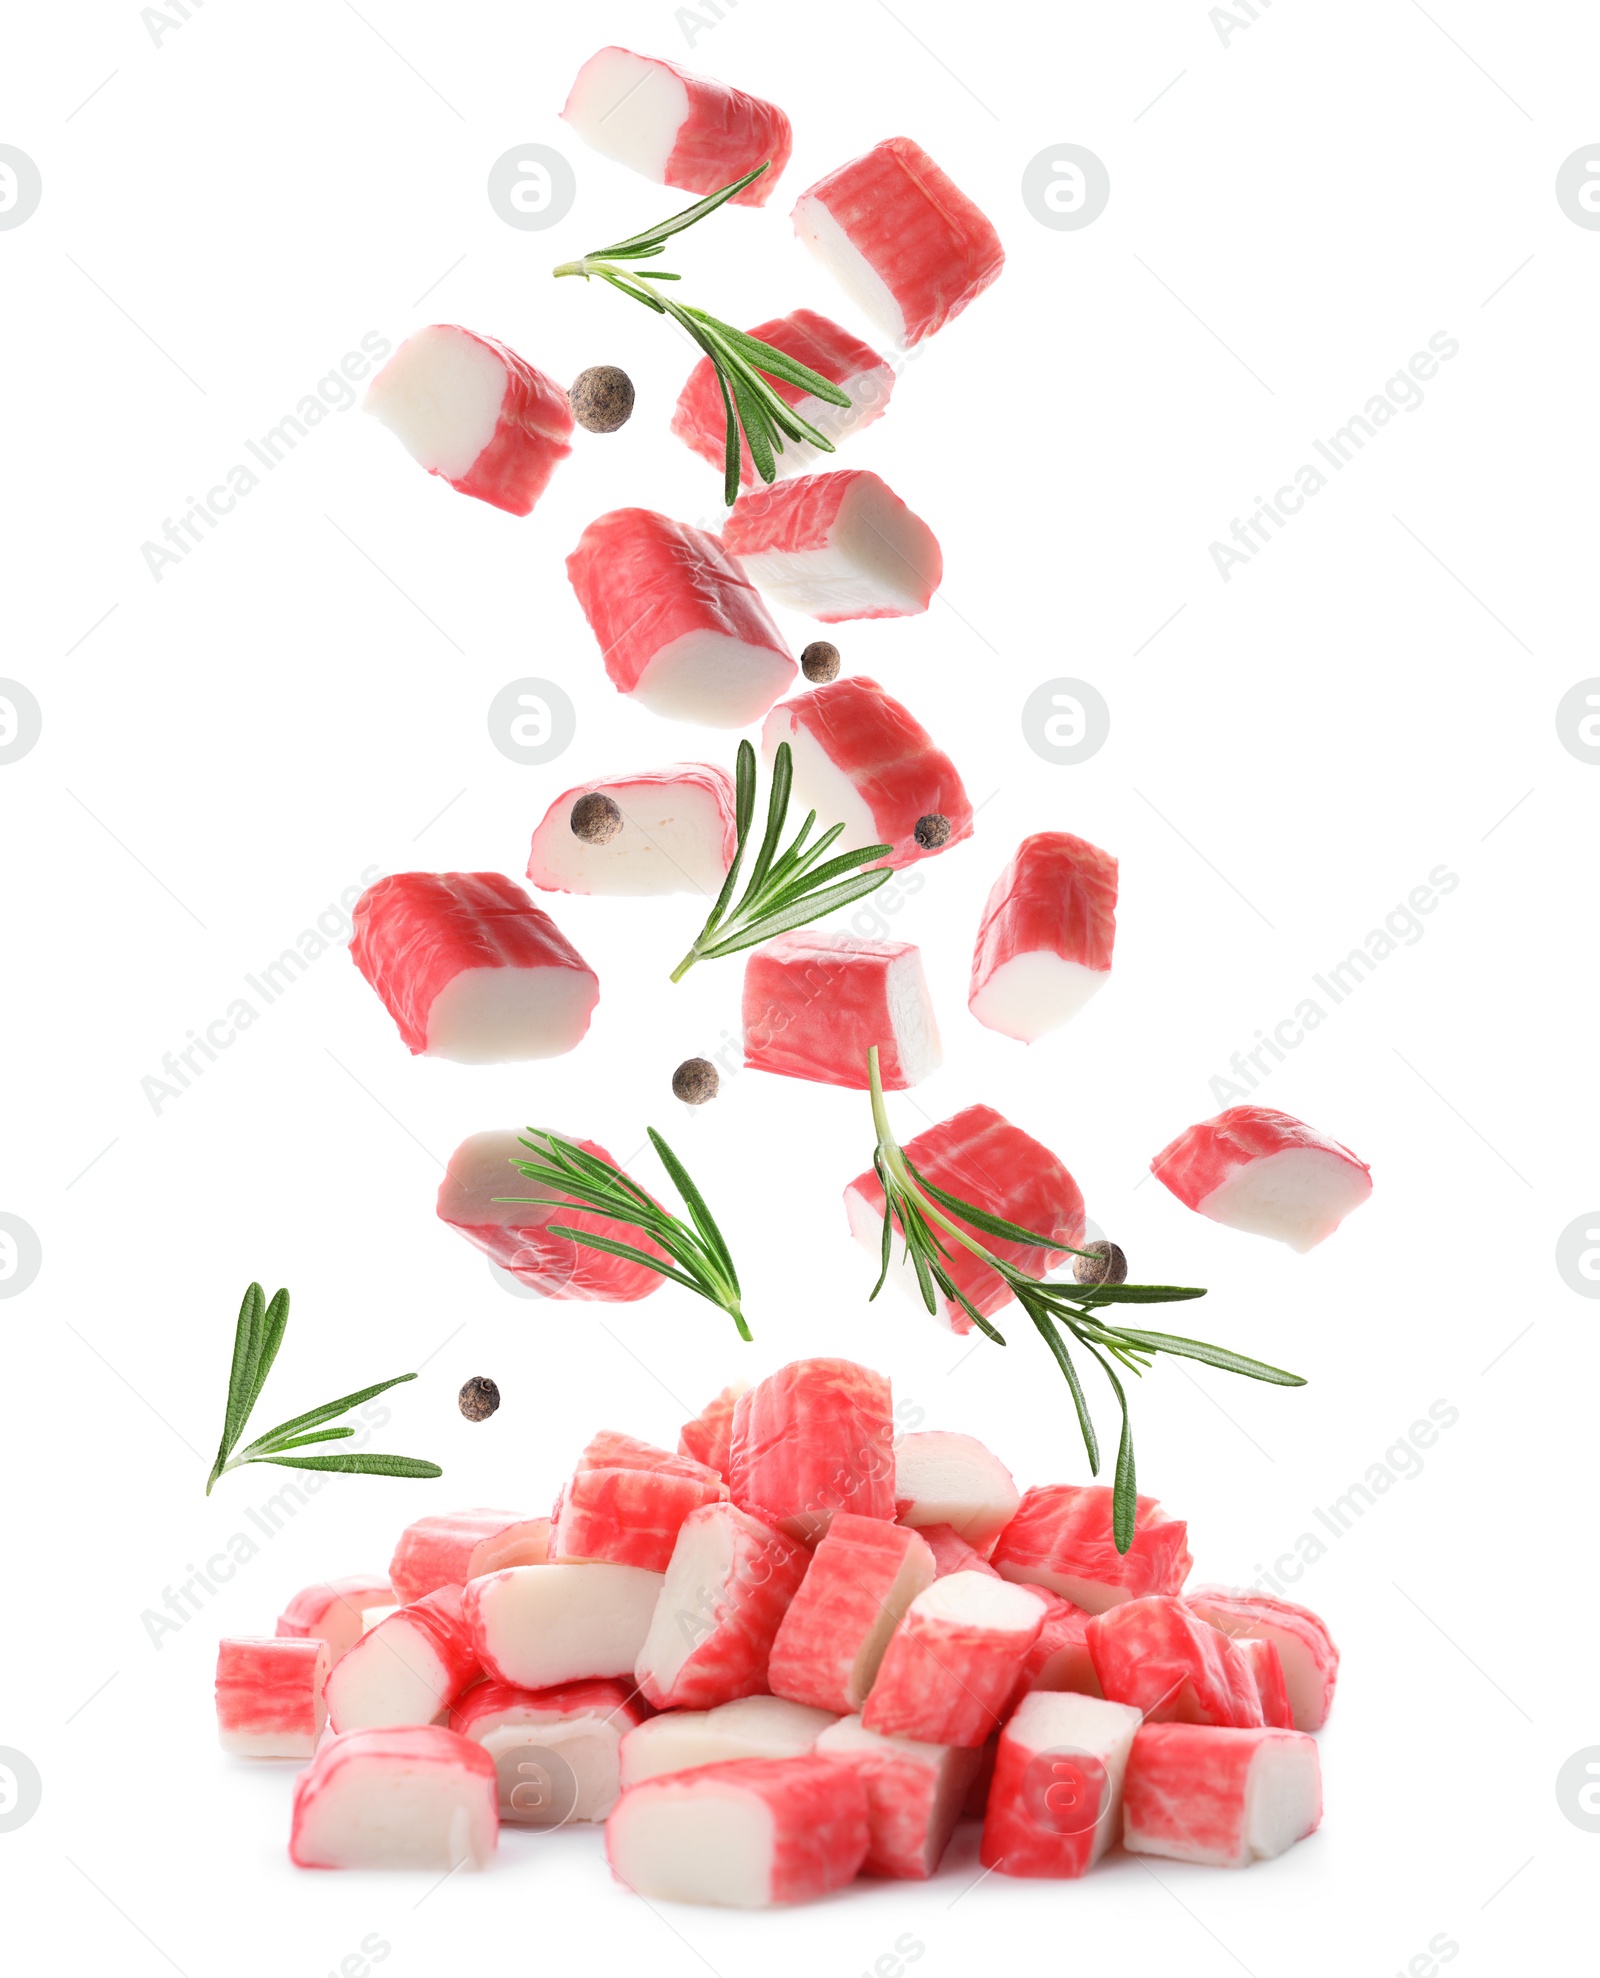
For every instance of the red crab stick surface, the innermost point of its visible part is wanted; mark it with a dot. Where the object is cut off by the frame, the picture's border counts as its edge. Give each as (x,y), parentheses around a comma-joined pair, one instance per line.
(982,1158)
(1158,1655)
(914,1794)
(747,1834)
(675,128)
(470,968)
(816,1002)
(863,1576)
(1055,1804)
(904,242)
(1221,1797)
(1265,1172)
(708,1438)
(407,1669)
(864,761)
(814,1438)
(1044,944)
(677,835)
(1305,1648)
(1061,1539)
(474,413)
(626,1504)
(418,1797)
(336,1611)
(479,1199)
(836,546)
(955,1661)
(864,377)
(679,625)
(269,1696)
(452,1547)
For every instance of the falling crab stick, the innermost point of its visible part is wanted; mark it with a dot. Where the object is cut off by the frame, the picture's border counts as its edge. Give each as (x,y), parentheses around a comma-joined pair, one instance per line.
(708,1438)
(836,546)
(1158,1655)
(412,1797)
(1055,1803)
(452,1547)
(941,1478)
(337,1611)
(1044,943)
(864,377)
(680,627)
(470,968)
(863,1576)
(1266,1665)
(751,1727)
(1061,1539)
(1265,1172)
(675,128)
(901,239)
(554,1750)
(484,1199)
(474,413)
(955,1661)
(812,1439)
(628,1514)
(536,1626)
(1305,1648)
(982,1158)
(270,1696)
(677,835)
(915,1794)
(863,761)
(406,1670)
(816,1002)
(728,1585)
(1221,1797)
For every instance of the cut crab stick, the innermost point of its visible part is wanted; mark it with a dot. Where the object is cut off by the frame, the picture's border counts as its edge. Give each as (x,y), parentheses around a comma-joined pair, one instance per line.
(904,242)
(554,1750)
(1044,944)
(955,1661)
(863,1576)
(814,1438)
(864,377)
(337,1611)
(675,128)
(980,1157)
(1158,1655)
(915,1794)
(628,1513)
(1061,1538)
(677,836)
(951,1552)
(744,1835)
(610,1449)
(453,1547)
(1266,1665)
(752,1727)
(1059,1658)
(1265,1172)
(836,546)
(941,1478)
(470,968)
(474,413)
(709,1437)
(1305,1648)
(484,1199)
(1221,1797)
(680,626)
(815,1003)
(406,1670)
(1055,1803)
(728,1585)
(536,1626)
(861,760)
(270,1696)
(417,1797)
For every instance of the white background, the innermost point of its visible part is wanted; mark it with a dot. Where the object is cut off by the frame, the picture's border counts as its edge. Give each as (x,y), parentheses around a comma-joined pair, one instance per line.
(1291,753)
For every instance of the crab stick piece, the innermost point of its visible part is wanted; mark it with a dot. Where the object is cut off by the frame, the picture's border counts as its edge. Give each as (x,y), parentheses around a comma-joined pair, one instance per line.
(915,1795)
(408,1669)
(675,833)
(675,128)
(452,1547)
(555,1751)
(836,546)
(1044,944)
(816,1002)
(1061,1538)
(941,1478)
(1265,1172)
(413,1797)
(270,1696)
(537,1626)
(863,1576)
(954,1663)
(338,1611)
(1309,1660)
(814,1438)
(750,1727)
(1222,1797)
(1055,1803)
(1158,1655)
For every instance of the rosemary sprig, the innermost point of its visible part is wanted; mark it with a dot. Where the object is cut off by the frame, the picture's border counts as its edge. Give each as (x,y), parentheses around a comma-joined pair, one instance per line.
(923,1214)
(256,1340)
(700,1259)
(748,400)
(783,891)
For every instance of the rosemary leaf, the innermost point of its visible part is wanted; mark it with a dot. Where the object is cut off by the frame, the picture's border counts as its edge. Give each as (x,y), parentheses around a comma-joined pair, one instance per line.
(328,1410)
(360,1463)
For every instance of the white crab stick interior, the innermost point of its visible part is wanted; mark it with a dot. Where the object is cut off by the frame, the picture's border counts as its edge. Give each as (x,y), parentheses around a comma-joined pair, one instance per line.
(716,1848)
(942,1478)
(630,109)
(539,1625)
(751,1727)
(1035,993)
(836,546)
(821,785)
(677,836)
(1298,1197)
(415,1798)
(492,1016)
(849,267)
(440,396)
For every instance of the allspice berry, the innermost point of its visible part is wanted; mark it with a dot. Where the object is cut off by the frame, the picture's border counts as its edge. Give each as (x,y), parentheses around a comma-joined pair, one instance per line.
(601,398)
(478,1398)
(932,831)
(596,819)
(695,1081)
(820,661)
(1105,1264)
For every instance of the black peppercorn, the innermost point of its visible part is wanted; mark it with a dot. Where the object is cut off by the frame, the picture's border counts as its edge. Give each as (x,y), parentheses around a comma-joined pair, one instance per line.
(601,398)
(820,661)
(695,1081)
(596,819)
(478,1398)
(1105,1264)
(932,831)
